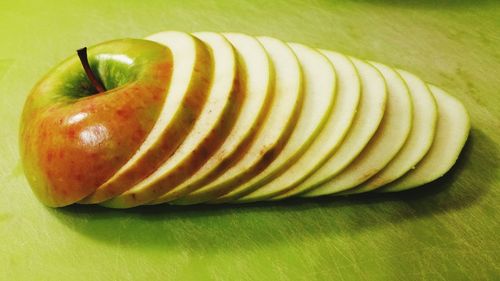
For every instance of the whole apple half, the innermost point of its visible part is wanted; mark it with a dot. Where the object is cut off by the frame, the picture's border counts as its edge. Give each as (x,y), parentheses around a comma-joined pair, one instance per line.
(320,84)
(72,138)
(227,117)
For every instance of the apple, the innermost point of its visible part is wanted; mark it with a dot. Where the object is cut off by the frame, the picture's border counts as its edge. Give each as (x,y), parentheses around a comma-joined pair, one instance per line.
(330,137)
(212,118)
(183,104)
(320,84)
(73,137)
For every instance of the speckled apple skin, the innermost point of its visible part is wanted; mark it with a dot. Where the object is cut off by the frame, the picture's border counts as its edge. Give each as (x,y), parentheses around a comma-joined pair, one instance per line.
(72,139)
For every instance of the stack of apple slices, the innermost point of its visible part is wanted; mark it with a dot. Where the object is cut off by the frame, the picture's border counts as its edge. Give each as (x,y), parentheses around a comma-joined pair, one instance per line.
(233,118)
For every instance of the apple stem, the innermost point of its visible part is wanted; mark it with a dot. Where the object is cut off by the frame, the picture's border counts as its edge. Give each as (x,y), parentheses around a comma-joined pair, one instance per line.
(82,54)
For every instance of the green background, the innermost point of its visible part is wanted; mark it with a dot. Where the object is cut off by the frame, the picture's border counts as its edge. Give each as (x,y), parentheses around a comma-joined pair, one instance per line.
(448,230)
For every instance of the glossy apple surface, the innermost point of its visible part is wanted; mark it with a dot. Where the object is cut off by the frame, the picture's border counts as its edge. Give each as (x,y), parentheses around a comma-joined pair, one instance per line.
(72,139)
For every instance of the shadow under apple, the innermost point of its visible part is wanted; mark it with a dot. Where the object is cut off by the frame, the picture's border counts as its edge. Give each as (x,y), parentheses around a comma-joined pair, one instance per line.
(228,227)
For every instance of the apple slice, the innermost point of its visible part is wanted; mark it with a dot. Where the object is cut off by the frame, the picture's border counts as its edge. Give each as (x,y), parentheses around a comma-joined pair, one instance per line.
(328,140)
(452,130)
(184,101)
(256,79)
(319,97)
(209,132)
(419,141)
(384,145)
(274,132)
(367,120)
(74,137)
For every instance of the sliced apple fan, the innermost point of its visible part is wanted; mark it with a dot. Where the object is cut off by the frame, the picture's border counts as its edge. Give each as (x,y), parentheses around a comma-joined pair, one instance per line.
(277,119)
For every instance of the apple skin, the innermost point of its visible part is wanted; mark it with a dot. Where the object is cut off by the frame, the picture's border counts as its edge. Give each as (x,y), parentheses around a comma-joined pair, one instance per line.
(72,139)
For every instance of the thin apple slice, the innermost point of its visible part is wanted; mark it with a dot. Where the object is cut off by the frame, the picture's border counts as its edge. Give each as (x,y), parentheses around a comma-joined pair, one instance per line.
(319,97)
(184,101)
(328,140)
(385,144)
(425,115)
(209,131)
(367,120)
(275,131)
(256,79)
(452,130)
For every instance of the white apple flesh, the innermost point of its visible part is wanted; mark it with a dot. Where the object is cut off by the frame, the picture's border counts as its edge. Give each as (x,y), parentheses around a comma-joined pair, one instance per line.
(368,118)
(319,96)
(452,130)
(275,130)
(419,141)
(330,137)
(389,138)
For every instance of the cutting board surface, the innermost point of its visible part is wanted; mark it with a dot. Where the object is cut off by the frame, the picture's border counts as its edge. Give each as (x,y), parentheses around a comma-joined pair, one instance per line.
(445,231)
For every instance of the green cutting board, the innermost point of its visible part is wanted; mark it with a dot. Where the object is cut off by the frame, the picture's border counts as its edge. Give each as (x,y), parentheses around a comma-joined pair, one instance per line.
(448,230)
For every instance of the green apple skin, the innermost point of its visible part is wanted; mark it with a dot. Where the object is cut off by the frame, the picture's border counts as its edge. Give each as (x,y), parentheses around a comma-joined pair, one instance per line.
(72,139)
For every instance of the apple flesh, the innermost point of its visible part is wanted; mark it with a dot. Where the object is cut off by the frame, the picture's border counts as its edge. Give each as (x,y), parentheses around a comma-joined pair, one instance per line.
(453,126)
(274,132)
(368,117)
(387,141)
(72,139)
(320,85)
(425,115)
(328,140)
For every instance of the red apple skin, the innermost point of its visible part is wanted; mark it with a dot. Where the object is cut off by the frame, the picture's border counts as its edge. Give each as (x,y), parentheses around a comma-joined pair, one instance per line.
(70,146)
